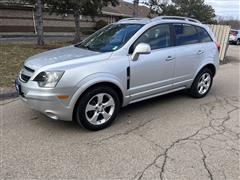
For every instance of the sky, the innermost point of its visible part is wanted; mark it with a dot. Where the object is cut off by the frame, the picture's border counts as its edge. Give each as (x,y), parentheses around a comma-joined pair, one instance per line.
(224,8)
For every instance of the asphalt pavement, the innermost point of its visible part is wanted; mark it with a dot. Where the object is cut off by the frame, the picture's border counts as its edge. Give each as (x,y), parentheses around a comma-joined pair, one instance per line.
(169,137)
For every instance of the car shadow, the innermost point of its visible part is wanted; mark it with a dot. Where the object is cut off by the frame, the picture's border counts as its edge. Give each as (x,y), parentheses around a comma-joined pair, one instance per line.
(45,122)
(155,101)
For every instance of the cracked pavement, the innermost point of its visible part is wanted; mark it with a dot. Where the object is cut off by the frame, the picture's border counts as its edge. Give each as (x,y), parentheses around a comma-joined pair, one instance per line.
(169,137)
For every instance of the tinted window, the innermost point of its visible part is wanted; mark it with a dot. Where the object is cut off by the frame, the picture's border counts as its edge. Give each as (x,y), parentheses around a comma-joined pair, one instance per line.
(110,38)
(157,37)
(185,34)
(203,35)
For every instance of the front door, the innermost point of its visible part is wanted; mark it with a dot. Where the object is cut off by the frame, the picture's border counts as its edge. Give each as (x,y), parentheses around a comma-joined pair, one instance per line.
(152,73)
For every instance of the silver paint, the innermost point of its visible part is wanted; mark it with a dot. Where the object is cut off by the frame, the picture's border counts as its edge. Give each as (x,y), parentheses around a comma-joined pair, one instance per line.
(152,73)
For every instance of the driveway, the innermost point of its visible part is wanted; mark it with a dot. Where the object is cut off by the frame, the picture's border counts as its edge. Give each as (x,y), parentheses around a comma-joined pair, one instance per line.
(169,137)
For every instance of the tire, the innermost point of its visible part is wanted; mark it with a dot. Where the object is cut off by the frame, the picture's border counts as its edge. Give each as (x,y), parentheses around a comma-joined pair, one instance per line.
(201,82)
(238,42)
(97,108)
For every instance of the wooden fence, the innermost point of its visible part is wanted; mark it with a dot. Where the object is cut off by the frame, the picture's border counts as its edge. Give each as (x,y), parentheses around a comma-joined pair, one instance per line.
(221,33)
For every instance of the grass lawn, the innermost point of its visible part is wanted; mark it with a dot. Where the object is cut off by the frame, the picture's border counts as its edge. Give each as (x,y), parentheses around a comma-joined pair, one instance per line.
(12,57)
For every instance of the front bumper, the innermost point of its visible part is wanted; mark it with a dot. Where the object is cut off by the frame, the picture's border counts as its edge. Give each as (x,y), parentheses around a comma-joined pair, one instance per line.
(46,101)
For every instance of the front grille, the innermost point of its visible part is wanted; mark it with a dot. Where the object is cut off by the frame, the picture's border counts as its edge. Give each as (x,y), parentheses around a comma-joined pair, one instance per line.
(26,74)
(24,77)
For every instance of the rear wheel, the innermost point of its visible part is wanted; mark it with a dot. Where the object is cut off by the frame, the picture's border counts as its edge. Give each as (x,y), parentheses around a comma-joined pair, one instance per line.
(97,108)
(202,83)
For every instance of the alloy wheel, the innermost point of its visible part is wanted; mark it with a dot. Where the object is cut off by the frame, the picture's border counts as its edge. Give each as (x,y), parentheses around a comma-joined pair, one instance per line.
(204,83)
(100,108)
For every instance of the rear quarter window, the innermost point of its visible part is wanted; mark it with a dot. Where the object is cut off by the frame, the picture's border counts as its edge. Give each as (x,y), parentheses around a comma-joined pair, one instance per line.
(203,35)
(185,34)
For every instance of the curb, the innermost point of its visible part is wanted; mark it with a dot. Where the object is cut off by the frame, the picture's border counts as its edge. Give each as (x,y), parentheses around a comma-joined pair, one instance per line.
(8,95)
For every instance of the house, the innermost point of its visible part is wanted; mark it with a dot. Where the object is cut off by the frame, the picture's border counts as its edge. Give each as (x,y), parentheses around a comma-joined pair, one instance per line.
(18,18)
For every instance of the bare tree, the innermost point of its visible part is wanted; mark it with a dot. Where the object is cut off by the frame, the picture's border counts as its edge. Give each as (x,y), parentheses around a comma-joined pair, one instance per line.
(77,37)
(39,21)
(234,23)
(38,7)
(77,8)
(135,8)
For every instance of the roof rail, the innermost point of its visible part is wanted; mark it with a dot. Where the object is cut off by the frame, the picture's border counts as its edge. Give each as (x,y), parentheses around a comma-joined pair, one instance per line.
(134,19)
(176,18)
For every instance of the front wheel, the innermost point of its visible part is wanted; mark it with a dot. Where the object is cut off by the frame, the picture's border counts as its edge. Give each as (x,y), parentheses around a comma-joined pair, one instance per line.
(202,83)
(97,108)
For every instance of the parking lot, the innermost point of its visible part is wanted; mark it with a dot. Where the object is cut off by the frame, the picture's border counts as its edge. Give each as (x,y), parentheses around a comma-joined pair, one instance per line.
(169,137)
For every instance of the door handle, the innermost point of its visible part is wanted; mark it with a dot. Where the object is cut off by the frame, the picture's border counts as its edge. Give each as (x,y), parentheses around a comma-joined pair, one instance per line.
(169,58)
(200,52)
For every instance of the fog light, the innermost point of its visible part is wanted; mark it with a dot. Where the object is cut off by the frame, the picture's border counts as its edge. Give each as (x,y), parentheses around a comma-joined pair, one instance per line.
(51,115)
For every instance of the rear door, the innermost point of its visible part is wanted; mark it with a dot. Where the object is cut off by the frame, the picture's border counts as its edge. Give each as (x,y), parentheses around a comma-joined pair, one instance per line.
(189,53)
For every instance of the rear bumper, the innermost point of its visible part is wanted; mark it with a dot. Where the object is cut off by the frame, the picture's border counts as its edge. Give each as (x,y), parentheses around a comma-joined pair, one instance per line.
(46,101)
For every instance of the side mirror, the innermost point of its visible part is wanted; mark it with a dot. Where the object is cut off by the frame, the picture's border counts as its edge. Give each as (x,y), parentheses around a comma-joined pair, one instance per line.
(141,48)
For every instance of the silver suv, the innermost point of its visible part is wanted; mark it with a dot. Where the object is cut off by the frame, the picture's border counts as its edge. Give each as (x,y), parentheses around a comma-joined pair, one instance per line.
(123,63)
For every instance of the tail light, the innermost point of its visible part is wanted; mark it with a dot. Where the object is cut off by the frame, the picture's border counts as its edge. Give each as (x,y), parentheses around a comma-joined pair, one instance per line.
(218,46)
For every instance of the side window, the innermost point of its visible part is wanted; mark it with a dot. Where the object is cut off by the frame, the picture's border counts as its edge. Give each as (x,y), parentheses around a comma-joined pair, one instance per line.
(185,34)
(157,37)
(203,35)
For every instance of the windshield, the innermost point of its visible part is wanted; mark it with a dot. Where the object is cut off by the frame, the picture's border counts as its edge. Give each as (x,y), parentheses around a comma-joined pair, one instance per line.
(234,33)
(110,38)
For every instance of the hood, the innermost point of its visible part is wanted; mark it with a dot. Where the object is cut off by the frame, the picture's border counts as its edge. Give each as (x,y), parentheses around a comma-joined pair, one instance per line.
(57,56)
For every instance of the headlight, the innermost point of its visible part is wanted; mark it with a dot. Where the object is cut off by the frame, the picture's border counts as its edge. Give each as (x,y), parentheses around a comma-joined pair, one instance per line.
(48,79)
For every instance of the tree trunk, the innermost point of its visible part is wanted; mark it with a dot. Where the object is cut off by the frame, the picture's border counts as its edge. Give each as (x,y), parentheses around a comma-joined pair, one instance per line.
(39,22)
(77,37)
(135,8)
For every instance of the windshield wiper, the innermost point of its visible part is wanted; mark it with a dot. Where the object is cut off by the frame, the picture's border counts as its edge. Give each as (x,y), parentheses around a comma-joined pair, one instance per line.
(84,47)
(77,45)
(87,47)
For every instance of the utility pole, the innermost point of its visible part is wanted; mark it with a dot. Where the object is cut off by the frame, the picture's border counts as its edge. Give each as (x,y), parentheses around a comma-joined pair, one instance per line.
(135,8)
